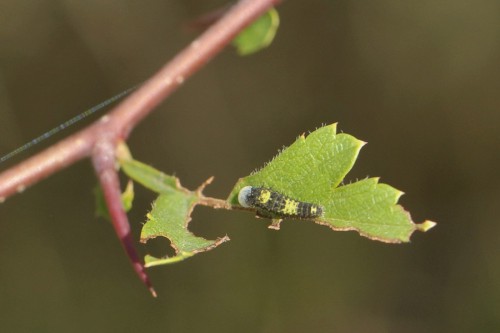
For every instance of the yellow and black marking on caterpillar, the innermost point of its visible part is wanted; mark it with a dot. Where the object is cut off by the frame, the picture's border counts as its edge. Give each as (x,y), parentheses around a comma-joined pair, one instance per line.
(271,204)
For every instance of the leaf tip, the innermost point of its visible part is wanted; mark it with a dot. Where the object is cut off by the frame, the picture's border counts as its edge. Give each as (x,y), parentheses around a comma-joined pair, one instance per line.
(332,126)
(207,182)
(425,226)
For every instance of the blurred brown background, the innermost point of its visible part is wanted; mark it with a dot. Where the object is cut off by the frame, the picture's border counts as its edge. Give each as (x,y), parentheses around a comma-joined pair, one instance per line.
(418,80)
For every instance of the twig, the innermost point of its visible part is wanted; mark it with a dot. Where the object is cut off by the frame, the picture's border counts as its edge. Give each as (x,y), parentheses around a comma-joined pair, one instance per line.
(104,164)
(126,115)
(99,140)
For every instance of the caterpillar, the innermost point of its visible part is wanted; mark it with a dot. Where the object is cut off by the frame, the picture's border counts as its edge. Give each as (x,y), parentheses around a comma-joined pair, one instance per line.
(272,204)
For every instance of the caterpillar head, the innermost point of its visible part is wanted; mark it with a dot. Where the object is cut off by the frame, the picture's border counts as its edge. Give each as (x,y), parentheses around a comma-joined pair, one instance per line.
(245,197)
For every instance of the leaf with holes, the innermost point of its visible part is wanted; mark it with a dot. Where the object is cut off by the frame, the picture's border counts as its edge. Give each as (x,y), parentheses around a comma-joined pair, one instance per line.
(171,212)
(169,218)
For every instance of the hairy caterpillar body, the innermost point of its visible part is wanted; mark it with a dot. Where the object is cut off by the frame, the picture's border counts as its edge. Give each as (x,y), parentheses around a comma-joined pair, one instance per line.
(271,204)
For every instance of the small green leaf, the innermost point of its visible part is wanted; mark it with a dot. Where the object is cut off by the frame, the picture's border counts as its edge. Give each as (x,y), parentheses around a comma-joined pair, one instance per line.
(311,170)
(259,34)
(128,196)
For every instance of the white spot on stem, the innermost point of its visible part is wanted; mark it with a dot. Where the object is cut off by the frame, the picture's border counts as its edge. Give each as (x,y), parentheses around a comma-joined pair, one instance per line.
(179,79)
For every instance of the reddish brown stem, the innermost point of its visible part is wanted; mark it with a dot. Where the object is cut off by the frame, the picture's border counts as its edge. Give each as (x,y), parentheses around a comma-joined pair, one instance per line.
(104,163)
(100,139)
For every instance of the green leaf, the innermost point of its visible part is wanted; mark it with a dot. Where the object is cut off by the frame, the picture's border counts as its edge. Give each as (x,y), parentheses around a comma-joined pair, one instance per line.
(259,34)
(170,214)
(128,196)
(370,208)
(169,218)
(311,169)
(149,177)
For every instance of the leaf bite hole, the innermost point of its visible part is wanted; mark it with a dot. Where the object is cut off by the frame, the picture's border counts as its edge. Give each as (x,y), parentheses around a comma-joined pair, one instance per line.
(160,247)
(205,222)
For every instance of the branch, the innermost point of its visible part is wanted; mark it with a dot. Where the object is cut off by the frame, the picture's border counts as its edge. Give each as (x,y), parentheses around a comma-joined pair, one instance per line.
(99,140)
(122,119)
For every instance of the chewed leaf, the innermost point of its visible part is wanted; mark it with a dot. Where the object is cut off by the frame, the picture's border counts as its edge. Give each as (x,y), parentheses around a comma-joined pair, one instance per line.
(306,177)
(259,34)
(169,218)
(171,212)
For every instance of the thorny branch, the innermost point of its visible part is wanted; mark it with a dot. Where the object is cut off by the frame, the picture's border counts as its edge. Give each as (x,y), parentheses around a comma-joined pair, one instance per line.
(99,140)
